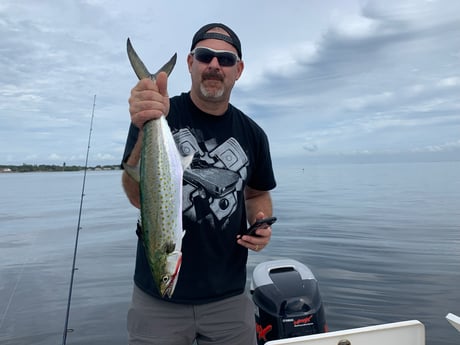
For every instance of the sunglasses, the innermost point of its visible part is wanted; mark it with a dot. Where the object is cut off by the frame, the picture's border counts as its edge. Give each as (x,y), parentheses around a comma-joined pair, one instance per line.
(205,55)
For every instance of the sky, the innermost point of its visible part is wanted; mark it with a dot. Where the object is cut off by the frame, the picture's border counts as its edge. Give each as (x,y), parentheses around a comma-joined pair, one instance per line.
(328,81)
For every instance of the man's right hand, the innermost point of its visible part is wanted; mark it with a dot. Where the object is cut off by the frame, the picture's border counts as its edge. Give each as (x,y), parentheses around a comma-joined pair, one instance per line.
(149,100)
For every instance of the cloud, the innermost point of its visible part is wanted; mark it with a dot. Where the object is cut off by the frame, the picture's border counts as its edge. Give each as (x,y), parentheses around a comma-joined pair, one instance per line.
(320,78)
(310,147)
(449,82)
(449,146)
(378,80)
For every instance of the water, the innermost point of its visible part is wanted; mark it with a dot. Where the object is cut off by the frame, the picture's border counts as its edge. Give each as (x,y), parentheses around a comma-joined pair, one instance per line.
(383,241)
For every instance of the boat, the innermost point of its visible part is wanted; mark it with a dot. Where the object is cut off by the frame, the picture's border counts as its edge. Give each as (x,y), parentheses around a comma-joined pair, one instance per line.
(454,320)
(289,311)
(410,332)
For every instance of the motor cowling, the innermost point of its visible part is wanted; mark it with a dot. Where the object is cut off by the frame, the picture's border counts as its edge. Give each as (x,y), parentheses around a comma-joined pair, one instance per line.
(287,301)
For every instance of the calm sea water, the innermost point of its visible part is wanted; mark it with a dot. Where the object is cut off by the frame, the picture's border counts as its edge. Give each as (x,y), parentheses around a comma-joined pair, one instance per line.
(382,239)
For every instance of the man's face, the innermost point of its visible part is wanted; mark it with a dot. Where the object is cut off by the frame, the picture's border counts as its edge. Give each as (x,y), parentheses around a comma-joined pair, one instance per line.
(213,81)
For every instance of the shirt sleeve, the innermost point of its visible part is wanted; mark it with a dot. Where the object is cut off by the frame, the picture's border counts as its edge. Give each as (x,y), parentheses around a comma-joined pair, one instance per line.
(131,140)
(263,177)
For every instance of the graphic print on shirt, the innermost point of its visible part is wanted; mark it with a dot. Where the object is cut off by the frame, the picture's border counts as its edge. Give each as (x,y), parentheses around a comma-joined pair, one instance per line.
(216,175)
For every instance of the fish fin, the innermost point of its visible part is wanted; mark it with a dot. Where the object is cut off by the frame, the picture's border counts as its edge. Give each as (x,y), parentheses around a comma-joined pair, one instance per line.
(137,64)
(167,67)
(186,161)
(133,172)
(139,67)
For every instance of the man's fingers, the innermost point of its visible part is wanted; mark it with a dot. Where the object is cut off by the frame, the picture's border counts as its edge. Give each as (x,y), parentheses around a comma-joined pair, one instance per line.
(162,84)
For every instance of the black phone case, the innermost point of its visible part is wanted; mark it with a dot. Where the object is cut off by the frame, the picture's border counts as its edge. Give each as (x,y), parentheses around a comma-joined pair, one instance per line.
(259,223)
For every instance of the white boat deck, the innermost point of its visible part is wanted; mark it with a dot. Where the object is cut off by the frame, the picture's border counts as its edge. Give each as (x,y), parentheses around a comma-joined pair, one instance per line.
(454,320)
(399,333)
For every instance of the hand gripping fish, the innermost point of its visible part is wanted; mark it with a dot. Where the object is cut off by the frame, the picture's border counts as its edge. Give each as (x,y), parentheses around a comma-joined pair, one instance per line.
(160,183)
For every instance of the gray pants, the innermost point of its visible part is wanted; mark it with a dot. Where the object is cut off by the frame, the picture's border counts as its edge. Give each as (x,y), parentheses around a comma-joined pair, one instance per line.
(155,322)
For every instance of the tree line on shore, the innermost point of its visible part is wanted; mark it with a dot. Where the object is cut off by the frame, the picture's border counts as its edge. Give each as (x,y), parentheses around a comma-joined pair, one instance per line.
(51,167)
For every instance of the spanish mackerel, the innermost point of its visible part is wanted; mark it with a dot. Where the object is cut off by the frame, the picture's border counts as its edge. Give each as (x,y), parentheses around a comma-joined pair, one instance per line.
(160,182)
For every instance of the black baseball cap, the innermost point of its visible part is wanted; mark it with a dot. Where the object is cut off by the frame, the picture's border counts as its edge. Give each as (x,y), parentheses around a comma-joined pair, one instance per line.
(203,34)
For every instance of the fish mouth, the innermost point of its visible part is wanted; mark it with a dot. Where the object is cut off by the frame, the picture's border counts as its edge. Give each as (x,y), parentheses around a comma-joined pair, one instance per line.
(168,289)
(168,292)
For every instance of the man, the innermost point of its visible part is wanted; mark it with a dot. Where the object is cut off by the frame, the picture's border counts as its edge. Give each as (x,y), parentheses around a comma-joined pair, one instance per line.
(226,186)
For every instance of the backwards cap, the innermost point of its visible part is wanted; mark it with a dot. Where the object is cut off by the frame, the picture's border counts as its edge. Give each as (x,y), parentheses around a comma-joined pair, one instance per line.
(203,34)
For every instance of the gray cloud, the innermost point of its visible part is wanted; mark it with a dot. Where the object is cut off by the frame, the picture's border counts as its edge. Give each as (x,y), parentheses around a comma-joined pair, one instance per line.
(383,80)
(342,78)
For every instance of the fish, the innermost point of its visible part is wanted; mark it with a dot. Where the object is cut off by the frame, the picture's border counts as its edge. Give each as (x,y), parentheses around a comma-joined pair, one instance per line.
(160,177)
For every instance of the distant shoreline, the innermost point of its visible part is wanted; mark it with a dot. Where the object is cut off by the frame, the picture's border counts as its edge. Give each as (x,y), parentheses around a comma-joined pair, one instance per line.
(52,168)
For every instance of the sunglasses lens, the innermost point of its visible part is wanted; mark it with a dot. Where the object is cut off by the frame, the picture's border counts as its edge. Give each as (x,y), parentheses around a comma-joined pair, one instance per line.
(226,59)
(202,55)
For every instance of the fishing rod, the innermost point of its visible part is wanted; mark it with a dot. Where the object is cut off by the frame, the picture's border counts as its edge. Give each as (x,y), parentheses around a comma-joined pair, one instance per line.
(66,325)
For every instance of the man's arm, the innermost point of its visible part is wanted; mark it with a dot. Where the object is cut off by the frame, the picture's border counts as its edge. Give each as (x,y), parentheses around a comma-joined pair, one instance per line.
(131,186)
(257,201)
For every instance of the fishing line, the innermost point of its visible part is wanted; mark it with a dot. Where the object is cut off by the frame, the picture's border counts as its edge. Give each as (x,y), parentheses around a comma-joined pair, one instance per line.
(16,285)
(66,325)
(12,294)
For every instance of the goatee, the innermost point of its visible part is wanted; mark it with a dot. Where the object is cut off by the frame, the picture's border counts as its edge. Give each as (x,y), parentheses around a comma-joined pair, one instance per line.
(214,78)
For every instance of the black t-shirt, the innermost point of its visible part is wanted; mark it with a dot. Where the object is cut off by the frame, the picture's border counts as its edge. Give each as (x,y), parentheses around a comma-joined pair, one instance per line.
(230,152)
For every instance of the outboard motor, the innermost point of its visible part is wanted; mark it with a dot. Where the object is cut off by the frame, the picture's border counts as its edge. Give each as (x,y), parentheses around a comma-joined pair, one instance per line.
(287,301)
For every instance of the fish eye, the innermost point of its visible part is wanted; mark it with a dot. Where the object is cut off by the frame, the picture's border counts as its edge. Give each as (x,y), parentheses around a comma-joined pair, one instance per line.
(165,279)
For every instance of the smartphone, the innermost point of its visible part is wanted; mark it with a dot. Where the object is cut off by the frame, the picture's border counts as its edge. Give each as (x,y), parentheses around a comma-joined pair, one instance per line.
(260,223)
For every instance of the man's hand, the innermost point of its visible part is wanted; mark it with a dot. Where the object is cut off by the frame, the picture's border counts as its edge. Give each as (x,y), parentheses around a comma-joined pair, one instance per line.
(259,242)
(149,100)
(258,206)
